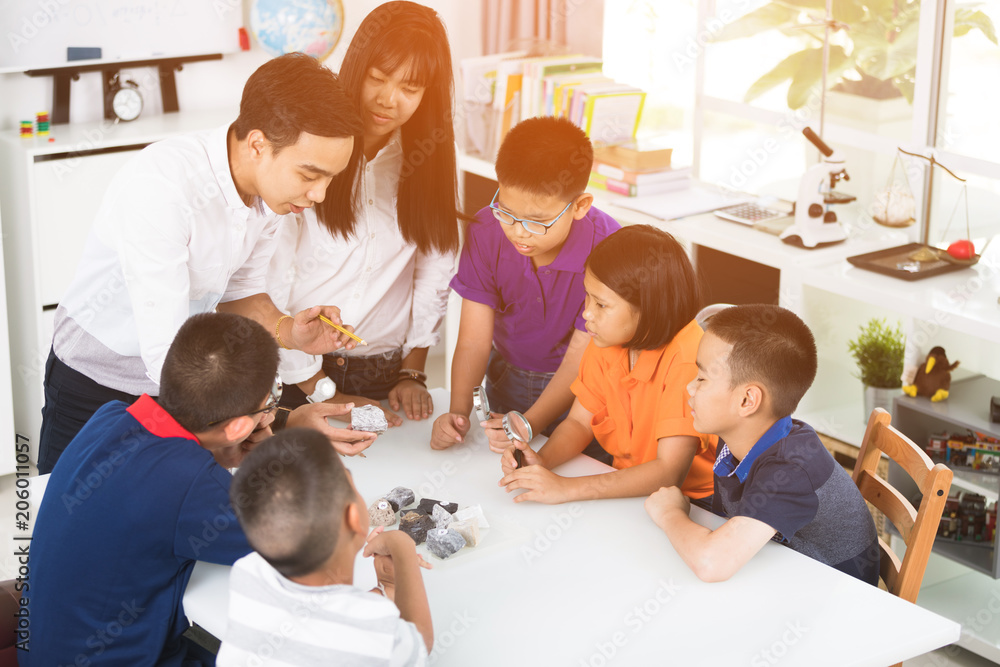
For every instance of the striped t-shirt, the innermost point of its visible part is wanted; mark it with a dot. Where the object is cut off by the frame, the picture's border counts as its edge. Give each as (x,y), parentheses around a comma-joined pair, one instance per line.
(276,622)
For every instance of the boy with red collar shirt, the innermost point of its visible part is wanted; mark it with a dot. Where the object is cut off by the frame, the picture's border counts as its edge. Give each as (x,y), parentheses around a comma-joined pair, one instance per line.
(140,494)
(774,479)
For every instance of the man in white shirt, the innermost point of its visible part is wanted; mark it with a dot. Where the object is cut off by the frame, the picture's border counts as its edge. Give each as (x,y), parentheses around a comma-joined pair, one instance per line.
(186,227)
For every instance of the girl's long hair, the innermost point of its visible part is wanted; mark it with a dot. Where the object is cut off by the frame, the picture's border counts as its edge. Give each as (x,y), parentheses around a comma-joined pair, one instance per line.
(394,35)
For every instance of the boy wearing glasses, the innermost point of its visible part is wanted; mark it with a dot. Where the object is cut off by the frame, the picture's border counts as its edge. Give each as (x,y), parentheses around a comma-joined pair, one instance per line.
(520,277)
(140,494)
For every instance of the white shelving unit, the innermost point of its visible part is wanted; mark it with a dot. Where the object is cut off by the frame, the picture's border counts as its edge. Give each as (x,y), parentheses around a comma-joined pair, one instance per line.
(50,193)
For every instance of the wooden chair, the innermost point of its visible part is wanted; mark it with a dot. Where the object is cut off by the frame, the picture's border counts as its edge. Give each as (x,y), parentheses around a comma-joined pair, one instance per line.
(918,527)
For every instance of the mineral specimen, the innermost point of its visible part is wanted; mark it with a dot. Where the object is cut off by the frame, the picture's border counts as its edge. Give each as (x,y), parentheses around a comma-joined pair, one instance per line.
(400,497)
(441,517)
(443,542)
(381,513)
(427,505)
(472,512)
(416,525)
(369,418)
(468,529)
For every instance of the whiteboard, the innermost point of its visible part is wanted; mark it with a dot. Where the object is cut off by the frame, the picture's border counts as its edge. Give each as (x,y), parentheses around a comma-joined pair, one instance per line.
(36,33)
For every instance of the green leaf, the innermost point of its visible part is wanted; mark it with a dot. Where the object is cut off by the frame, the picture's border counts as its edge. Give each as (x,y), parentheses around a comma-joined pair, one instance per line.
(967,19)
(905,86)
(809,76)
(890,59)
(768,17)
(782,72)
(890,11)
(848,12)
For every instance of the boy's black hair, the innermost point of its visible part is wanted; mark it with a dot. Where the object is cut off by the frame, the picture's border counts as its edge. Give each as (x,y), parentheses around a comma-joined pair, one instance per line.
(546,156)
(770,345)
(219,366)
(394,35)
(292,94)
(289,495)
(649,269)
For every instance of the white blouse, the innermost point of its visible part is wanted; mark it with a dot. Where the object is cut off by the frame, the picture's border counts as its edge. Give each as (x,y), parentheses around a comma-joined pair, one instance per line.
(394,295)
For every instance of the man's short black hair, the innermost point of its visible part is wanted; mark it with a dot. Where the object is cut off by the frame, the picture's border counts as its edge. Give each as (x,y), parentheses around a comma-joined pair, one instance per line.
(292,94)
(771,346)
(649,269)
(289,494)
(546,156)
(219,366)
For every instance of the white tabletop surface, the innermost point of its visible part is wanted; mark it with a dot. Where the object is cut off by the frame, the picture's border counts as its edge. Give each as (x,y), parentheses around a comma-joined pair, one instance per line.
(596,583)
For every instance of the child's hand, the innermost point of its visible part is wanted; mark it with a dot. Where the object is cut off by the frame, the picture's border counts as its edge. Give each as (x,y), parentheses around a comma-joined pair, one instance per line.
(661,503)
(543,485)
(413,398)
(449,429)
(385,573)
(499,442)
(531,457)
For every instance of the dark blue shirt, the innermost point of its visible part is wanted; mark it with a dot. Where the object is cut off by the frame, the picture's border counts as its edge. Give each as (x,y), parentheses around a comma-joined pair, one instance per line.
(131,504)
(789,481)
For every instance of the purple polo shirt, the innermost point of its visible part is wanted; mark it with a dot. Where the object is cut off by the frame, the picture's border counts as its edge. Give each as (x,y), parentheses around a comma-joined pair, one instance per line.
(536,310)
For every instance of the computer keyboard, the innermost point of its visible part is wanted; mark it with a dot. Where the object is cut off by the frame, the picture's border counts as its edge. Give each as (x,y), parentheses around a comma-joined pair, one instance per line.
(748,214)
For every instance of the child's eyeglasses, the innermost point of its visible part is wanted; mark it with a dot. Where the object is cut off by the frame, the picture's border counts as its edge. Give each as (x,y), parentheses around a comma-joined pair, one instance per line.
(531,226)
(272,403)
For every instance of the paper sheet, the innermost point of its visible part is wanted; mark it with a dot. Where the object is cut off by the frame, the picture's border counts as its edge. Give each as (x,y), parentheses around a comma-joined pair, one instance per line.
(682,203)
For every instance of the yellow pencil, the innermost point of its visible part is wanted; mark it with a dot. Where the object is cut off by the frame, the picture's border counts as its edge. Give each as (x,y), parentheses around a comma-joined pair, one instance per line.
(361,341)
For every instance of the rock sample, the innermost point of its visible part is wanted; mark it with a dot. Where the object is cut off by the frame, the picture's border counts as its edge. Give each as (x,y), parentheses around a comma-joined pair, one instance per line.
(468,529)
(400,497)
(416,525)
(472,512)
(381,513)
(369,418)
(427,505)
(441,517)
(443,542)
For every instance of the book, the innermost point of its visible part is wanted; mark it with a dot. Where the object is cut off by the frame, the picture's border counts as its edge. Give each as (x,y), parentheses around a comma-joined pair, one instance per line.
(637,155)
(602,182)
(640,177)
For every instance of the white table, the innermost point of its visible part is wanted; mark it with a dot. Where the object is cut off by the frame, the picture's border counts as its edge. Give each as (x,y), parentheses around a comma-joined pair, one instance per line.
(596,583)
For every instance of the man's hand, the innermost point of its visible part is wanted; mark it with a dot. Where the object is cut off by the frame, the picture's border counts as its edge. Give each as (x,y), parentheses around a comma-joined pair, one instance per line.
(662,503)
(541,485)
(449,429)
(314,415)
(314,336)
(413,398)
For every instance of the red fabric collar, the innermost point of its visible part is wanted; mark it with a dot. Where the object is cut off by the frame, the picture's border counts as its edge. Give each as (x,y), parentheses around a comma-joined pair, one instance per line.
(156,420)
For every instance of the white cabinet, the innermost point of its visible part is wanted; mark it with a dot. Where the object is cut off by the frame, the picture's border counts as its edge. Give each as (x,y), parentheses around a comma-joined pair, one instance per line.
(6,393)
(50,193)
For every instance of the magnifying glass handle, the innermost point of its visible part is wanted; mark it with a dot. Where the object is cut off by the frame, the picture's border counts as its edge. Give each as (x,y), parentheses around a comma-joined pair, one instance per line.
(518,458)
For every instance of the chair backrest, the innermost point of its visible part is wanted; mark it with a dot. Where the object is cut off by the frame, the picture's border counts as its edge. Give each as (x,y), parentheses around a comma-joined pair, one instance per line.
(918,527)
(708,311)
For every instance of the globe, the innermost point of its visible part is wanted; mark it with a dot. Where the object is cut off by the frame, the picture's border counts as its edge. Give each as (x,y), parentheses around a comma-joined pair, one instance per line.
(307,26)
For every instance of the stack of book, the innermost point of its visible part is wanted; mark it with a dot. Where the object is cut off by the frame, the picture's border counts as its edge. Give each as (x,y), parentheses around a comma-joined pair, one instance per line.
(503,89)
(636,169)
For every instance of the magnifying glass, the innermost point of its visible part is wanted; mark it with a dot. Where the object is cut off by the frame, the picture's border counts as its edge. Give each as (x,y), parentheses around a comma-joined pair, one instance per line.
(517,427)
(480,402)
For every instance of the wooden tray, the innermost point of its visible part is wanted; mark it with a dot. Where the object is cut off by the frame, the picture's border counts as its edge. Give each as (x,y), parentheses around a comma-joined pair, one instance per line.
(888,262)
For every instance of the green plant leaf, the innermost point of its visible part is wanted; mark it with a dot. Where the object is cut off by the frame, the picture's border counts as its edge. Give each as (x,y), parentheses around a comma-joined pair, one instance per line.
(809,75)
(892,11)
(888,59)
(905,86)
(782,72)
(878,351)
(848,12)
(967,19)
(768,17)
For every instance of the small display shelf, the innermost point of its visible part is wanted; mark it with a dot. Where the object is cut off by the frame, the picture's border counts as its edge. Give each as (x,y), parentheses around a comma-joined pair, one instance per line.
(966,409)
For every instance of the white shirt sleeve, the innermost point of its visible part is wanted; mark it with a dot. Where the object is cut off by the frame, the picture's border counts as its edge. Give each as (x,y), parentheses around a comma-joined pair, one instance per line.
(251,278)
(431,275)
(152,246)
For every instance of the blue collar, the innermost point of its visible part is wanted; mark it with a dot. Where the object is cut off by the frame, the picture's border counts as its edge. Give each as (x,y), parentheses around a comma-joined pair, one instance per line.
(726,464)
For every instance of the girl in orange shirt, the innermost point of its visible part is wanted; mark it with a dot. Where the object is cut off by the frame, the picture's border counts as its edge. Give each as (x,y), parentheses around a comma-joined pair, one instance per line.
(642,298)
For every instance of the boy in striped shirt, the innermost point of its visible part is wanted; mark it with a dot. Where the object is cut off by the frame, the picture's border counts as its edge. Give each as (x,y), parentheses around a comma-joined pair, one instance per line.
(292,601)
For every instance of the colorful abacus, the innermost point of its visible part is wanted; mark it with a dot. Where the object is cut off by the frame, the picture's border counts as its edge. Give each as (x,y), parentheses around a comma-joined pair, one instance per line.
(42,123)
(27,129)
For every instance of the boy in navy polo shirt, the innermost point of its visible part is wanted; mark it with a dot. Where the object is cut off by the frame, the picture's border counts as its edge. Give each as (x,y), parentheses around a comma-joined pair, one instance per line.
(140,494)
(773,476)
(520,276)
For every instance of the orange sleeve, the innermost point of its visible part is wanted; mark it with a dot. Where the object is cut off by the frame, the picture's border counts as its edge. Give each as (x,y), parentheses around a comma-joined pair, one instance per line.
(673,414)
(589,385)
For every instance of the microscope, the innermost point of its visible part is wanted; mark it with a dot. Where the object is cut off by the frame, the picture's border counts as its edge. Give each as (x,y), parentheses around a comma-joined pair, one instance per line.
(815,224)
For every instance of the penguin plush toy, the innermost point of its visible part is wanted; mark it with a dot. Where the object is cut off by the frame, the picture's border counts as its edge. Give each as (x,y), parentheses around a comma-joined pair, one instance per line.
(933,378)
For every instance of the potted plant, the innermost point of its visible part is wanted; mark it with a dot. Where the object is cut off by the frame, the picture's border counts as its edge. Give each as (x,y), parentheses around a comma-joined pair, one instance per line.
(874,56)
(878,351)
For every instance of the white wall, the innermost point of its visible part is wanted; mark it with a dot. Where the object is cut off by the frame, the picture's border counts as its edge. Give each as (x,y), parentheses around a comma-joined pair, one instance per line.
(214,84)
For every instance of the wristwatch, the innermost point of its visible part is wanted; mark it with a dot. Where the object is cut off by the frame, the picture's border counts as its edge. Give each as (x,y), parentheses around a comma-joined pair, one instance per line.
(325,388)
(413,374)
